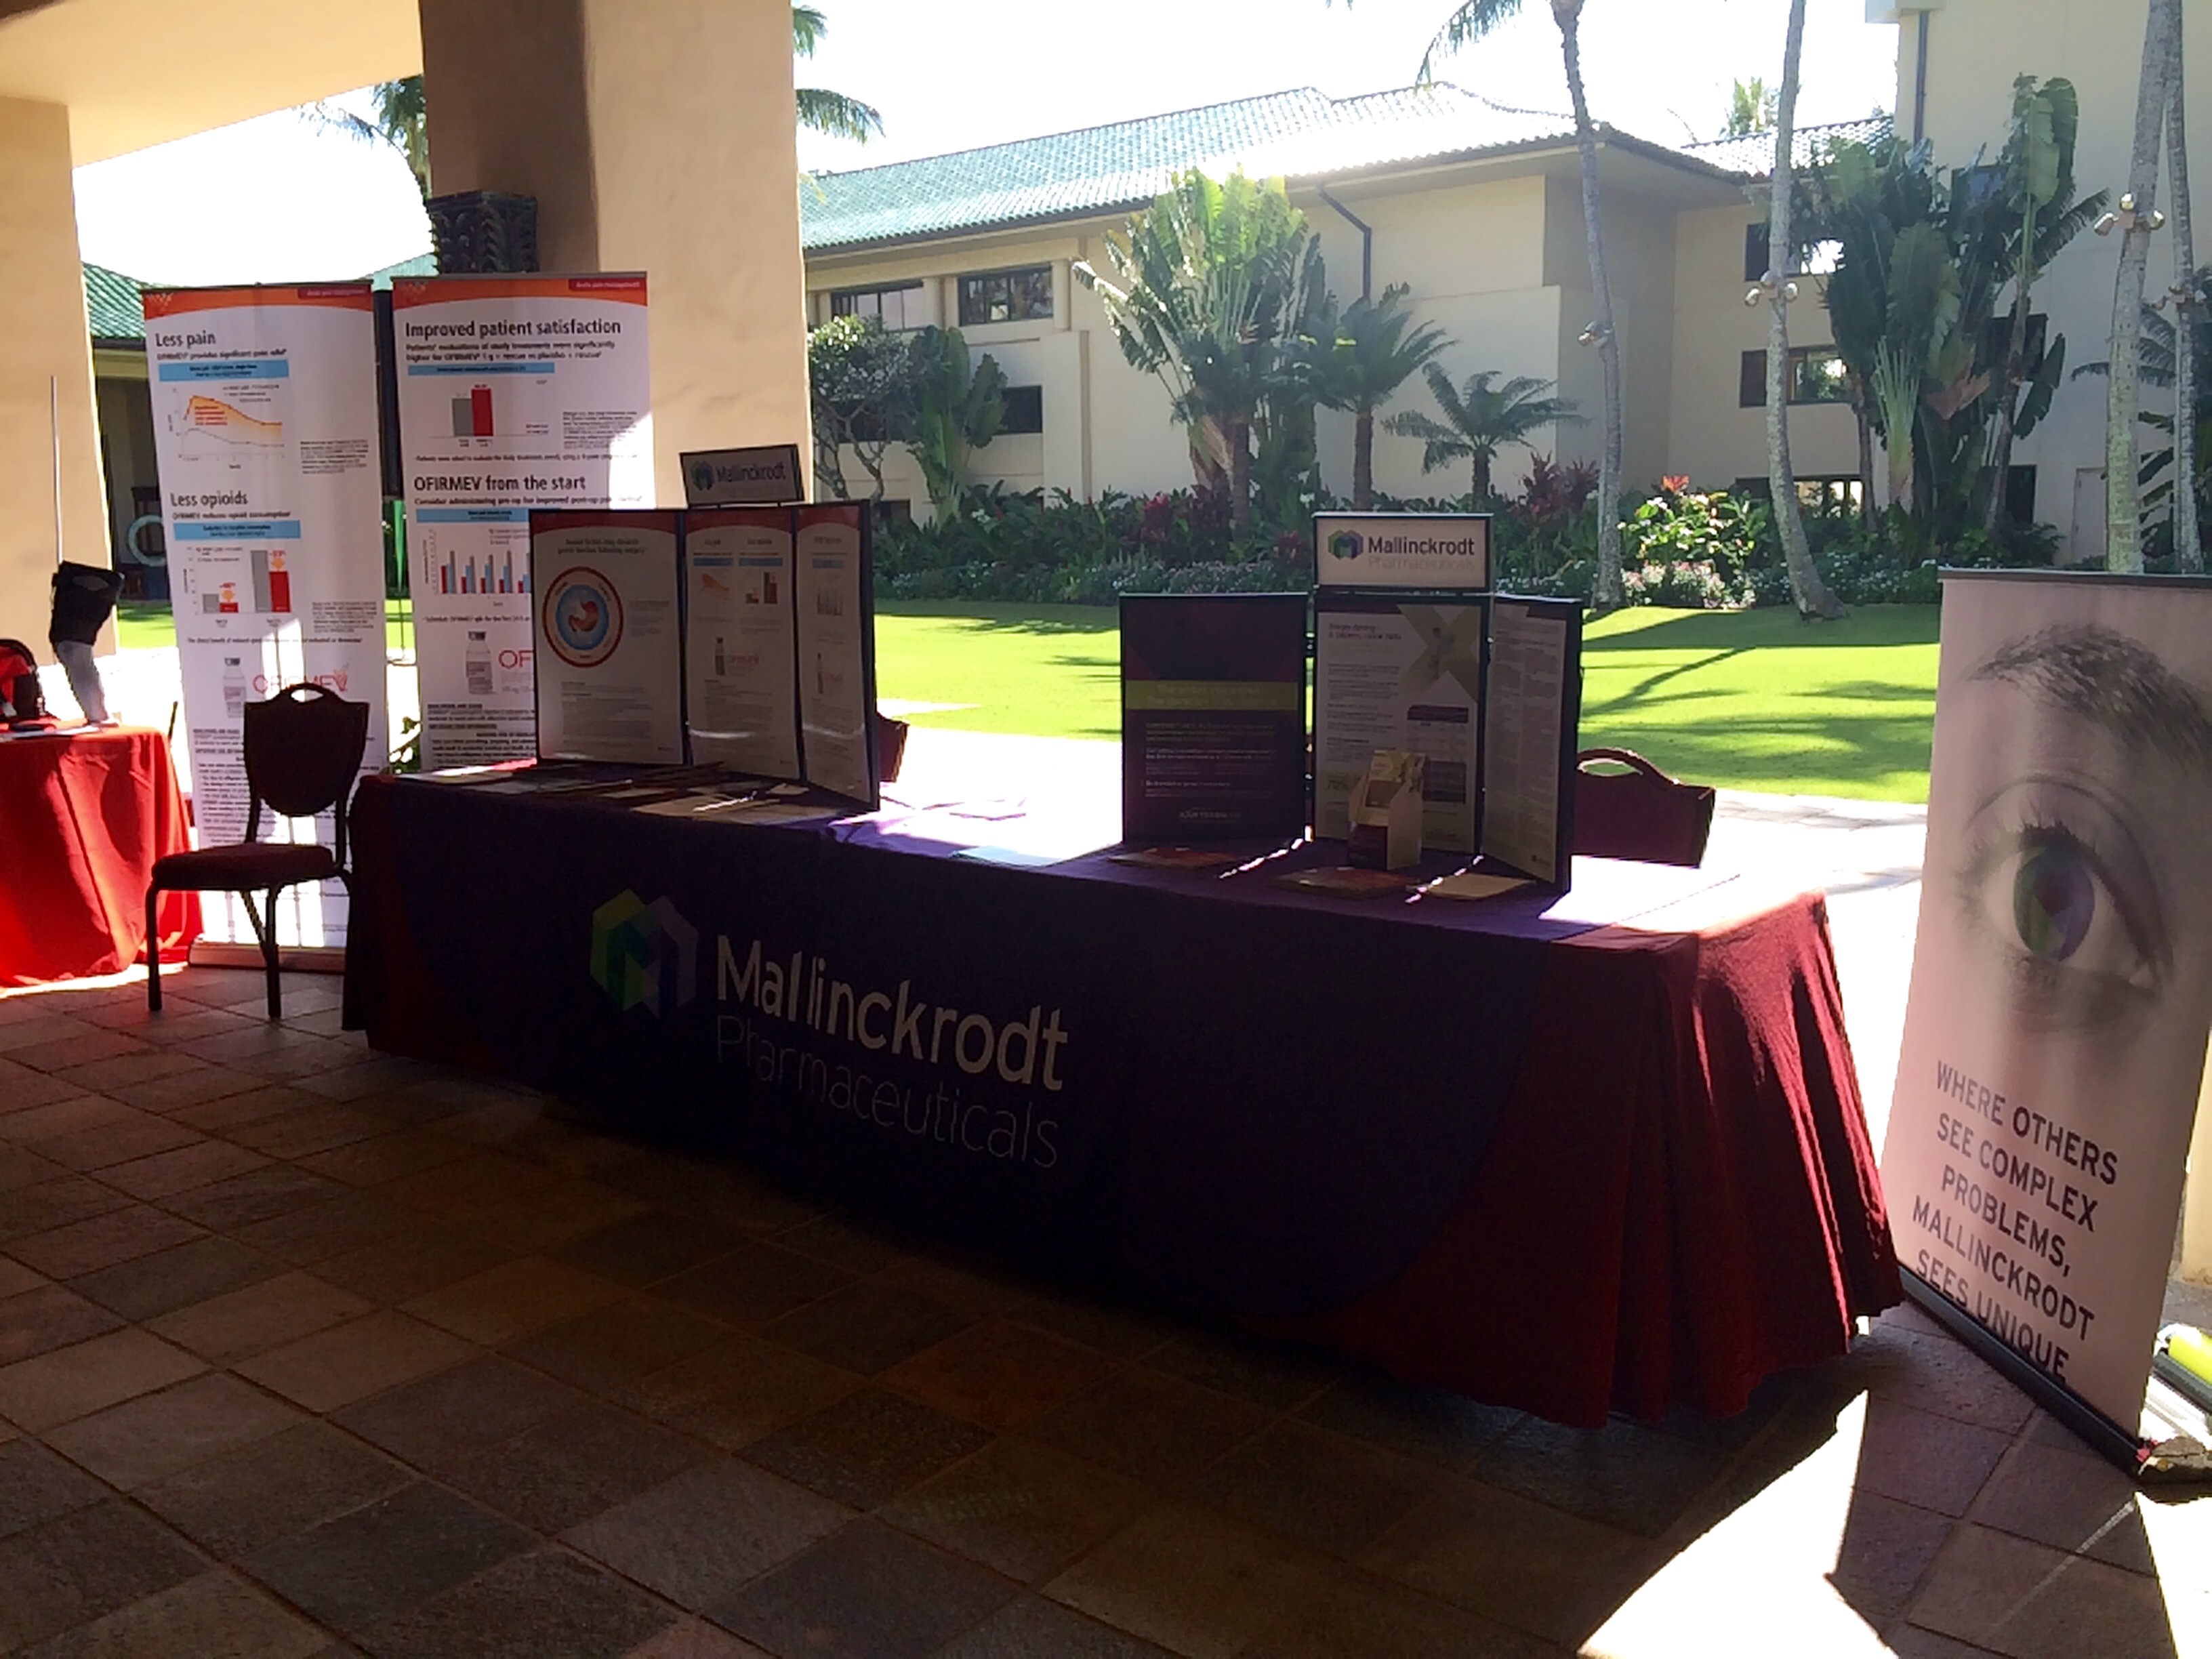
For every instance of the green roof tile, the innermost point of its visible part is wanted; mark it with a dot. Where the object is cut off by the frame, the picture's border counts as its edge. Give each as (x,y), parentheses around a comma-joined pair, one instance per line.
(111,303)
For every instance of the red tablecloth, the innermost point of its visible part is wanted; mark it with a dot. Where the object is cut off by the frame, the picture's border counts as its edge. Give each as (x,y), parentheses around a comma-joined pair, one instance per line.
(1675,1198)
(83,815)
(1680,1199)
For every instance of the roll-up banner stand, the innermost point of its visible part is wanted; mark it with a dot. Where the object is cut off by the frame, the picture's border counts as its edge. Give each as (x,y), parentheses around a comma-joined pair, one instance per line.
(609,635)
(265,437)
(834,590)
(515,391)
(1531,723)
(741,648)
(2062,990)
(1400,671)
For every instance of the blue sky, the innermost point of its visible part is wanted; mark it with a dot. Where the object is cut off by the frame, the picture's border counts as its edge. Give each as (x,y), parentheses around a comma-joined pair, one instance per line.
(278,199)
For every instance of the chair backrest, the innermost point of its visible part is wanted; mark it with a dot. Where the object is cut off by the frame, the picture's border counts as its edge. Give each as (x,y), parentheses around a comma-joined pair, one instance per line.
(1640,812)
(303,748)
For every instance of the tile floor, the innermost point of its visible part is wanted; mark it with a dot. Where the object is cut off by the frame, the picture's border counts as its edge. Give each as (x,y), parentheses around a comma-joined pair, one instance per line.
(305,1350)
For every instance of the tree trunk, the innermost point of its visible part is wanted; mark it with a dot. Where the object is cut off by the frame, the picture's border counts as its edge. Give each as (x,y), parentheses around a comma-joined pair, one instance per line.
(1866,453)
(1609,593)
(1480,485)
(1363,458)
(1240,477)
(2188,536)
(1807,591)
(2124,396)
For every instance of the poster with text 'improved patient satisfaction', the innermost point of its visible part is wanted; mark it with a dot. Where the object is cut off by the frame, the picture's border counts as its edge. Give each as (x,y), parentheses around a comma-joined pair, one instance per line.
(515,393)
(265,438)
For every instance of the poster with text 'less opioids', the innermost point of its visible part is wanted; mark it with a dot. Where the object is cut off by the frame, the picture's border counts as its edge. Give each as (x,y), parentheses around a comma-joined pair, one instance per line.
(837,650)
(740,675)
(1398,676)
(264,434)
(2062,976)
(608,639)
(515,391)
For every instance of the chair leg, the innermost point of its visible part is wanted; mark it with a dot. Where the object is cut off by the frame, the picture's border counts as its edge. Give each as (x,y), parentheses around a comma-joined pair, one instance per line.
(265,936)
(153,951)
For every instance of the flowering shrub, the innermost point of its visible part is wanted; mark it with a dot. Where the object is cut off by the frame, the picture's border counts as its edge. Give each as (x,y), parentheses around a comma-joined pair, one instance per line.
(1686,585)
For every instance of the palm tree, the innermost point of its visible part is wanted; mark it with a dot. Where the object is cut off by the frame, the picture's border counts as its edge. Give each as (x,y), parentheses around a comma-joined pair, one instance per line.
(2137,217)
(399,119)
(1752,108)
(1215,289)
(1368,356)
(1469,23)
(960,406)
(2188,536)
(1807,591)
(1479,420)
(828,113)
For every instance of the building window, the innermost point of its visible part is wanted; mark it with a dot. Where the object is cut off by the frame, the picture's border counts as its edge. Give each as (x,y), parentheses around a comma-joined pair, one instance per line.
(1024,411)
(1813,258)
(1006,296)
(1816,376)
(897,305)
(2019,495)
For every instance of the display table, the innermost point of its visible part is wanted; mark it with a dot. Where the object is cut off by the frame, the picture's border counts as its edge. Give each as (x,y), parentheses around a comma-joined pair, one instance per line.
(83,815)
(1570,1153)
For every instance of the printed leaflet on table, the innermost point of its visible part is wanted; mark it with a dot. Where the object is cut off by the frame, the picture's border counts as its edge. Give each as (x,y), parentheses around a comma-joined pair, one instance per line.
(608,639)
(515,391)
(264,432)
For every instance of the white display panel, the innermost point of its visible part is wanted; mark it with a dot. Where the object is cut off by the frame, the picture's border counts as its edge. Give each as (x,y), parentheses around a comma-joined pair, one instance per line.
(609,637)
(741,680)
(1405,676)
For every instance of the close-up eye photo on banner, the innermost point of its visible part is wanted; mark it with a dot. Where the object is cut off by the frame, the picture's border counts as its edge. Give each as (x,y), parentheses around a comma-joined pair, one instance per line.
(2061,982)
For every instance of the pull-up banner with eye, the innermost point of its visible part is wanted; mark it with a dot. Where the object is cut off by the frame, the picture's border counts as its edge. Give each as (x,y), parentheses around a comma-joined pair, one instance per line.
(2061,978)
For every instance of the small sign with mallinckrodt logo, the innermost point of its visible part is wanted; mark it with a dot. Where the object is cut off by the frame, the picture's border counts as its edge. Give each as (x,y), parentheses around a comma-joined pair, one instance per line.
(765,475)
(1438,552)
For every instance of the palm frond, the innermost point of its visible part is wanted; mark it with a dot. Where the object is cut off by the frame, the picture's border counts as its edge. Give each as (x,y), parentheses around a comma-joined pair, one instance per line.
(836,116)
(808,25)
(1466,26)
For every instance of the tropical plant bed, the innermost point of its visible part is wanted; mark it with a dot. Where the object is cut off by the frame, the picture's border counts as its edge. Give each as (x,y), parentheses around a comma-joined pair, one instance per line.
(1748,700)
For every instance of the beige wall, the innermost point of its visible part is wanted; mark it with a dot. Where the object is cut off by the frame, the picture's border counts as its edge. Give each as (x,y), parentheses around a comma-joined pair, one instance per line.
(2097,45)
(657,134)
(1713,438)
(1499,263)
(43,341)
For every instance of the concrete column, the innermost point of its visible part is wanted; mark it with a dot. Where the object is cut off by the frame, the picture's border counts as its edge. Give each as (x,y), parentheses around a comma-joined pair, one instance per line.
(44,344)
(657,136)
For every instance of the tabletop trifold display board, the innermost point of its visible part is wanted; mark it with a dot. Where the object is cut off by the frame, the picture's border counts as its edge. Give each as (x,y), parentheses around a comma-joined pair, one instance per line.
(1414,652)
(737,637)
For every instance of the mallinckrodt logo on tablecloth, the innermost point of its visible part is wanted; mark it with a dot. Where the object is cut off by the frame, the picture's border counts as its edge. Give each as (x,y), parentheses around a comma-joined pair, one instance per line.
(644,956)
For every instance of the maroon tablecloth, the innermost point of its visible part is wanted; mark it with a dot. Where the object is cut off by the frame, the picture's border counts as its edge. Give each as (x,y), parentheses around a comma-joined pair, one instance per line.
(83,816)
(1569,1154)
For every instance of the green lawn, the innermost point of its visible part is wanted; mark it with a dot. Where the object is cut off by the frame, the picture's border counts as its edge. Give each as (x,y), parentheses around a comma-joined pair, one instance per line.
(1752,700)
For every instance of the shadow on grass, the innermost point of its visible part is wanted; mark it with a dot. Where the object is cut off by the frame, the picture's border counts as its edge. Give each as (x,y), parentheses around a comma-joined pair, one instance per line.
(985,618)
(1883,757)
(1743,630)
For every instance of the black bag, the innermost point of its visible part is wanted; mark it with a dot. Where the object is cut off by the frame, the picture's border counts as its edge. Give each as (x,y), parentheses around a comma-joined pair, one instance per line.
(84,597)
(21,698)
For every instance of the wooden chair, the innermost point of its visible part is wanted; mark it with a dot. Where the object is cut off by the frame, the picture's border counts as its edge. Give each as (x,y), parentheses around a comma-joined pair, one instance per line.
(302,751)
(1636,811)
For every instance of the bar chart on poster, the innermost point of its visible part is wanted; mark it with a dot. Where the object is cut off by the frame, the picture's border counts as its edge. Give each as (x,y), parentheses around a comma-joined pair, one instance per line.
(515,391)
(264,432)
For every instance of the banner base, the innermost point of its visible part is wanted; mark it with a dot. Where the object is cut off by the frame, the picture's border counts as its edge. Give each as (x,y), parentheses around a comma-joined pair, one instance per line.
(291,958)
(2147,1462)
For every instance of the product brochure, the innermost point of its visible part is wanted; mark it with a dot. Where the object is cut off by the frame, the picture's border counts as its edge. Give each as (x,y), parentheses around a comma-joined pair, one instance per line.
(1392,673)
(608,641)
(741,674)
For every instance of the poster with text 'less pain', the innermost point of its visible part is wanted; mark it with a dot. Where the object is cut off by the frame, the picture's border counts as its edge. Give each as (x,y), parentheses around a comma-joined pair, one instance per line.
(264,403)
(2062,976)
(740,662)
(608,642)
(515,391)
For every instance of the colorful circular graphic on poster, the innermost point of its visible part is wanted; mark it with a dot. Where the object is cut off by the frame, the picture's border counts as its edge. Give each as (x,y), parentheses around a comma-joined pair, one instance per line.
(583,618)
